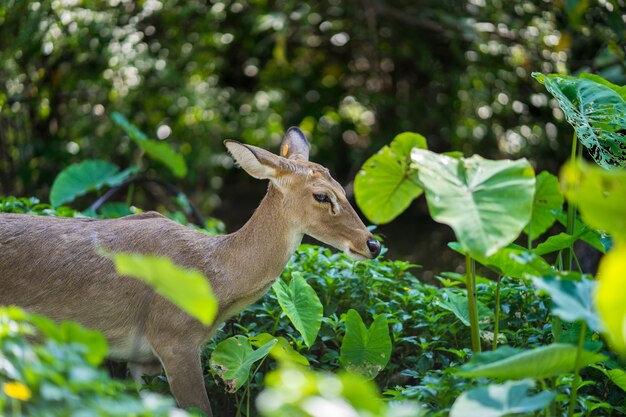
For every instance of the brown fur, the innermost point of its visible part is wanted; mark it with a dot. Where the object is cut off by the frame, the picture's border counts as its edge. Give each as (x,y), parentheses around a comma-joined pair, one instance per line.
(52,265)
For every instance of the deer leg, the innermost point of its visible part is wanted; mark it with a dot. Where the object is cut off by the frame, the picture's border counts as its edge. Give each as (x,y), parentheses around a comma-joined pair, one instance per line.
(183,368)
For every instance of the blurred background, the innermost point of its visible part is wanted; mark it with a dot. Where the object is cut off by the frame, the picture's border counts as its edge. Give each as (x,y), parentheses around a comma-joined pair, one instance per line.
(351,74)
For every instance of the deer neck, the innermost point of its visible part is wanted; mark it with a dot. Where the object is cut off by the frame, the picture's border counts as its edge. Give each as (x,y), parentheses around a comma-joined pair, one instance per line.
(262,247)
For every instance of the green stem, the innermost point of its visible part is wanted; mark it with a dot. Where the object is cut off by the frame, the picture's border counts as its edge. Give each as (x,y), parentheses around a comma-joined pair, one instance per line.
(471,303)
(580,269)
(496,326)
(16,407)
(129,194)
(571,213)
(548,411)
(556,328)
(576,382)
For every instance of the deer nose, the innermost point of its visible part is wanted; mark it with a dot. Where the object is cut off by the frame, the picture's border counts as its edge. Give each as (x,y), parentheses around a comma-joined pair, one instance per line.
(374,246)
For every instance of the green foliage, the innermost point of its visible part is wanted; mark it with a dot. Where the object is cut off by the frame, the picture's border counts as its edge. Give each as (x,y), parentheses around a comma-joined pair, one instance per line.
(33,206)
(301,304)
(457,304)
(386,185)
(297,392)
(365,351)
(507,399)
(597,111)
(233,358)
(539,363)
(554,243)
(79,179)
(283,351)
(487,203)
(57,375)
(188,289)
(159,151)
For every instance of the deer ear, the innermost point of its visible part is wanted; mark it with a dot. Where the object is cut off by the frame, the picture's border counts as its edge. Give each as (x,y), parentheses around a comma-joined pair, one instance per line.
(295,145)
(255,161)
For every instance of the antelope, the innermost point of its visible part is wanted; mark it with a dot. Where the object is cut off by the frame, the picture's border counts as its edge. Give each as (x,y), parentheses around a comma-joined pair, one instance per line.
(56,267)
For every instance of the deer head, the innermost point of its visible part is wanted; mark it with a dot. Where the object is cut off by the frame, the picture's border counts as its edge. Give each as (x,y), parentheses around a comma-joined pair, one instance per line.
(316,203)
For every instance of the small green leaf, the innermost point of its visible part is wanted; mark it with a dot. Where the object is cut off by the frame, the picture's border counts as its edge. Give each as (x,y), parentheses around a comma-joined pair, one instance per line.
(282,351)
(554,243)
(159,151)
(457,304)
(598,240)
(188,289)
(90,175)
(365,351)
(539,363)
(386,184)
(548,198)
(302,305)
(599,195)
(233,358)
(114,210)
(501,400)
(572,300)
(487,203)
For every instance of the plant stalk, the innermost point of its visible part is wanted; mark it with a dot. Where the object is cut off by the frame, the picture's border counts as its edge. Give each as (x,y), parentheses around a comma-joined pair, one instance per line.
(571,214)
(496,326)
(471,302)
(576,382)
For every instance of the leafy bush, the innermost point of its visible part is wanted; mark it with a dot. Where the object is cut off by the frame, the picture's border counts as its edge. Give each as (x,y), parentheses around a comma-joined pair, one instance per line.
(57,375)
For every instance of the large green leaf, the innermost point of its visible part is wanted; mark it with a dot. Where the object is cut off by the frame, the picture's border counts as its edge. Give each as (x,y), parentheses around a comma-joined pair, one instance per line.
(188,289)
(302,305)
(233,358)
(572,300)
(90,175)
(457,304)
(539,363)
(548,198)
(596,111)
(621,90)
(616,375)
(600,196)
(487,203)
(609,297)
(386,184)
(501,400)
(511,261)
(365,351)
(159,151)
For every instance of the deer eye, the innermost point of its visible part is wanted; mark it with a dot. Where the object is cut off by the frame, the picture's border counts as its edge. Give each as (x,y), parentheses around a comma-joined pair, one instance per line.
(322,198)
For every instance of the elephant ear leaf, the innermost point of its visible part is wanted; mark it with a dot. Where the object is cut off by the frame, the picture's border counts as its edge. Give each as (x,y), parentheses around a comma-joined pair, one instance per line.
(386,184)
(596,111)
